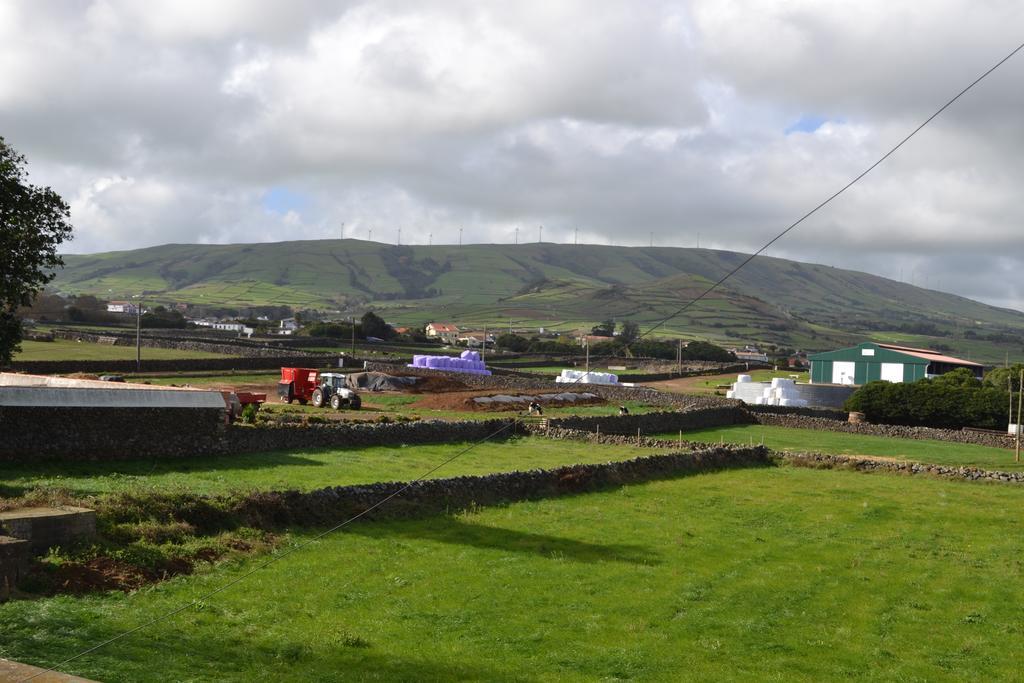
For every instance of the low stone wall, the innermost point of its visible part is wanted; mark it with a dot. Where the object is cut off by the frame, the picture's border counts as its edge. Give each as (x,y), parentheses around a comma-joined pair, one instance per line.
(434,496)
(183,341)
(891,431)
(71,433)
(63,367)
(606,439)
(67,434)
(653,423)
(247,439)
(825,461)
(824,413)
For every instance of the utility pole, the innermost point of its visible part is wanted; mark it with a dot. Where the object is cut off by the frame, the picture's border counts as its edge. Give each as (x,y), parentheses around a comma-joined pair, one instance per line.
(430,239)
(679,357)
(353,326)
(483,347)
(369,234)
(540,234)
(343,230)
(576,237)
(587,344)
(517,235)
(460,237)
(1020,399)
(399,237)
(138,334)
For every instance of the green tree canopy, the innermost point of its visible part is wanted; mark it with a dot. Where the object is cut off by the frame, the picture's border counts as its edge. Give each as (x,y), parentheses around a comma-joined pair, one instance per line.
(374,326)
(33,222)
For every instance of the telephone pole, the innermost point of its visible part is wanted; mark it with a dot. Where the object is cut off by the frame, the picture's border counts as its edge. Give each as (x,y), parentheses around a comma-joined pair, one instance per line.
(460,237)
(1020,399)
(369,234)
(399,237)
(343,230)
(575,237)
(540,234)
(517,235)
(138,333)
(430,239)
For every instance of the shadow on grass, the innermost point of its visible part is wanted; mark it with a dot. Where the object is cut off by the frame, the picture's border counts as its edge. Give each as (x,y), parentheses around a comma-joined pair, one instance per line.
(459,531)
(210,651)
(68,471)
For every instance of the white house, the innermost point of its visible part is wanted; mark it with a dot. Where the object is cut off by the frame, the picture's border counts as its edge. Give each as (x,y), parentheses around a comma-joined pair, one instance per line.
(126,307)
(446,332)
(229,327)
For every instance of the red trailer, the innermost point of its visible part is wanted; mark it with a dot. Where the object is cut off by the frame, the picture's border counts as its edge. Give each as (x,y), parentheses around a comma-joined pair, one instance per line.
(297,384)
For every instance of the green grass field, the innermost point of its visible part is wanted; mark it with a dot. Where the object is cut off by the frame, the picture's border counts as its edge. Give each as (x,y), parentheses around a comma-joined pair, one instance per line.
(781,574)
(62,349)
(789,439)
(303,470)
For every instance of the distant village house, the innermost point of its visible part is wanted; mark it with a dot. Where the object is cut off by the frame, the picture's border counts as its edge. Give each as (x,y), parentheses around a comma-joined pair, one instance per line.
(126,307)
(446,332)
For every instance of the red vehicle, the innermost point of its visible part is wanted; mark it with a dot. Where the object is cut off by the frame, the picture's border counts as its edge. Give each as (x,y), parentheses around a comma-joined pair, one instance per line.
(297,384)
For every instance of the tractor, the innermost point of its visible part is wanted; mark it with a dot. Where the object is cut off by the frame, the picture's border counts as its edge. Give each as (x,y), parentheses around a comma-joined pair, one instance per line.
(308,385)
(331,389)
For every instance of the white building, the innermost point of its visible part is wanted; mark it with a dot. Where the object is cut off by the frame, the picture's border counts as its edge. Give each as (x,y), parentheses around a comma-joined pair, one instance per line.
(126,307)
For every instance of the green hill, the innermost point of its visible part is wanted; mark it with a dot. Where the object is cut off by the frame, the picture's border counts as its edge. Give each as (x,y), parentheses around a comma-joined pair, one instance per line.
(557,286)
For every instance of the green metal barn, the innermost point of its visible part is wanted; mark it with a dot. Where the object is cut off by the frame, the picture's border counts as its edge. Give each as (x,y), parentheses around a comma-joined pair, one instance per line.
(870,361)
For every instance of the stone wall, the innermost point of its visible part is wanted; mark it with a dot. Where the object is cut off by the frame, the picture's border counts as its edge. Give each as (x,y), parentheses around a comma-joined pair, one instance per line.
(891,431)
(250,439)
(825,461)
(654,423)
(63,367)
(606,439)
(34,434)
(825,413)
(433,496)
(184,341)
(65,433)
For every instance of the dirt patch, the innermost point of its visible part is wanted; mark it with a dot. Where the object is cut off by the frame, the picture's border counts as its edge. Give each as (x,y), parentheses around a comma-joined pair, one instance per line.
(436,385)
(463,400)
(103,574)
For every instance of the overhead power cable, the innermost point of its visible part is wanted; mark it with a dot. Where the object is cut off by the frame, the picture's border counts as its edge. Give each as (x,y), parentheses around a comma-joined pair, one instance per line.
(167,615)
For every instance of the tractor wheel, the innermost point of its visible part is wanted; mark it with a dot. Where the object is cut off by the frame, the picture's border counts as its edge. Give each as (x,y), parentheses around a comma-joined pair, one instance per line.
(301,401)
(336,402)
(318,398)
(356,403)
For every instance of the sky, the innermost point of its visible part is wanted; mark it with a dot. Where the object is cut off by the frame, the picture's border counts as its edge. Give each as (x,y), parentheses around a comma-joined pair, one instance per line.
(713,123)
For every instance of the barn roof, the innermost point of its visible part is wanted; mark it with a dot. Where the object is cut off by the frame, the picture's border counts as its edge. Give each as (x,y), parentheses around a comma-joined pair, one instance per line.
(933,356)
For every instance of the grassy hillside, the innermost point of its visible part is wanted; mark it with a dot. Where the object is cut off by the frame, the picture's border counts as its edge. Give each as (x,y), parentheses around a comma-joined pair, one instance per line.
(556,286)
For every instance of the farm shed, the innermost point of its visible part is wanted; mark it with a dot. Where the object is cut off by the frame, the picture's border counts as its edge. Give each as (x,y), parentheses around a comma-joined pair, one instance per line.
(871,361)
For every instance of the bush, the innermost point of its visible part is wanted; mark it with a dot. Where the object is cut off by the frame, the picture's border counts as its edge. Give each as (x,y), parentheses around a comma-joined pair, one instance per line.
(945,402)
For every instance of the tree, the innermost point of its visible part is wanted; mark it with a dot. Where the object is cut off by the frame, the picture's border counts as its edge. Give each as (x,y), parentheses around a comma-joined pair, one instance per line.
(512,342)
(605,329)
(374,326)
(628,331)
(33,222)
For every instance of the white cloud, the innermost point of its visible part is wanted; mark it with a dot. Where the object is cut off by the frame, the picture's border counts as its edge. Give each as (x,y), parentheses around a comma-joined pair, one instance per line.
(171,120)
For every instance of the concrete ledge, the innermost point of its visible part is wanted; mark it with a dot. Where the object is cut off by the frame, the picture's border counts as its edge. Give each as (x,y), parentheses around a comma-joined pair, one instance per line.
(15,671)
(45,528)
